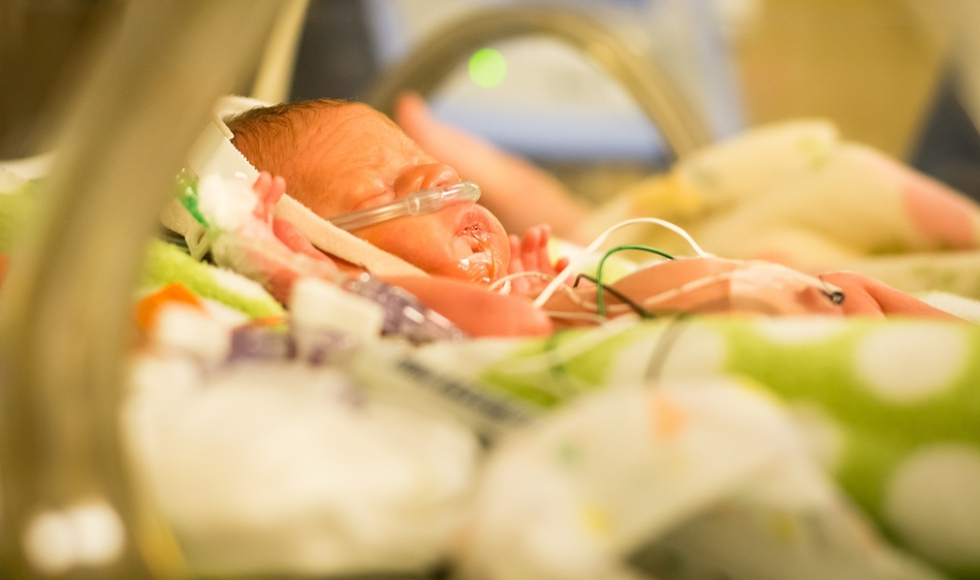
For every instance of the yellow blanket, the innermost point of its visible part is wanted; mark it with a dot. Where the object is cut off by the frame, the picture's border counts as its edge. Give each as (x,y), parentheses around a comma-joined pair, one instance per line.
(797,194)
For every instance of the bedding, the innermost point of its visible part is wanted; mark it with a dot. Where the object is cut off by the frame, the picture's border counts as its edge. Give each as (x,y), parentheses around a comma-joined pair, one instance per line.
(165,263)
(798,194)
(887,408)
(689,479)
(684,448)
(677,449)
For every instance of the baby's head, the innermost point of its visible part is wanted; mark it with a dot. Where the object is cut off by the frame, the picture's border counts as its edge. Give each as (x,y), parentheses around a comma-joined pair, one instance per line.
(339,157)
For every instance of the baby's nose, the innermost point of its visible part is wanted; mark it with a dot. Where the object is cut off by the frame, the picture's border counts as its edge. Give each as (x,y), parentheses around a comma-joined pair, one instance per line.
(418,177)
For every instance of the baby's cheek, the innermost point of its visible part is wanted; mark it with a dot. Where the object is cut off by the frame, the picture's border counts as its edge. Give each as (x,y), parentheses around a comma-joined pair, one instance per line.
(428,243)
(409,240)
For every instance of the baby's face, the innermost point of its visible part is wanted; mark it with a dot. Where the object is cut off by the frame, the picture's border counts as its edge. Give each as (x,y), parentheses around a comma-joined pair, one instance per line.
(354,158)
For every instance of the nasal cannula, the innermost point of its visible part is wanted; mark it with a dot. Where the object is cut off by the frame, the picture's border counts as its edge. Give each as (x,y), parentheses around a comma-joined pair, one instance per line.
(418,203)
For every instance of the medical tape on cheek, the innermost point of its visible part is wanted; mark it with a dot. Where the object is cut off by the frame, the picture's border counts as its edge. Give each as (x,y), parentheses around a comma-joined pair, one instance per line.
(214,153)
(343,245)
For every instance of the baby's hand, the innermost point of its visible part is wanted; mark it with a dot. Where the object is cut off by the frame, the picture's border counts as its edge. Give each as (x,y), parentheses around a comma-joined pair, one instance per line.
(269,190)
(268,250)
(531,255)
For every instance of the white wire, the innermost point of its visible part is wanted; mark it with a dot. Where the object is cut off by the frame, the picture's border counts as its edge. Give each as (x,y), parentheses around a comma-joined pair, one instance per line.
(591,306)
(504,280)
(575,264)
(691,286)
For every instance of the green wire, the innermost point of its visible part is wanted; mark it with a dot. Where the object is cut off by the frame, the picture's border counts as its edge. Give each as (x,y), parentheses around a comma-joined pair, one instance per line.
(600,298)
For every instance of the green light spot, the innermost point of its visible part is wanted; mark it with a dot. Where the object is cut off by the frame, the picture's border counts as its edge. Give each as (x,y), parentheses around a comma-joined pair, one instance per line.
(487,68)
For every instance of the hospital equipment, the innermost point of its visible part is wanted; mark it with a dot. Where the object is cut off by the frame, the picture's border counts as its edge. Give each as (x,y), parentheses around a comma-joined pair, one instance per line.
(64,332)
(404,314)
(575,264)
(418,203)
(670,112)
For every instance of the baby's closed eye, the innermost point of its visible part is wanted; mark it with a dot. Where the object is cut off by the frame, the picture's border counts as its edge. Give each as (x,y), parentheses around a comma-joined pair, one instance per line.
(375,199)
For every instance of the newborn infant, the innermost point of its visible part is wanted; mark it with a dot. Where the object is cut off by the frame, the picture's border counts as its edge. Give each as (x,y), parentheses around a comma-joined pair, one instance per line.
(339,157)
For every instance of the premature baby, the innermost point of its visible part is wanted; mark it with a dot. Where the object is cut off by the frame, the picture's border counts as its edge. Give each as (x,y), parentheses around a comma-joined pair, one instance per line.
(338,157)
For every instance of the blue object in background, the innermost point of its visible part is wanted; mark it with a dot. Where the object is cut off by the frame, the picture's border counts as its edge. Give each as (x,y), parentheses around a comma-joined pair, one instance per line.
(551,104)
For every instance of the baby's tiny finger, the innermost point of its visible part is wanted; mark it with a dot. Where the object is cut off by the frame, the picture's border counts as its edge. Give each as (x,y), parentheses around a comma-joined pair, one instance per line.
(515,265)
(277,190)
(260,187)
(529,249)
(544,257)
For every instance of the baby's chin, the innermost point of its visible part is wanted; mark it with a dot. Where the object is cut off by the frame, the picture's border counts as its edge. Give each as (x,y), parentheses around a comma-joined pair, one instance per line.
(484,267)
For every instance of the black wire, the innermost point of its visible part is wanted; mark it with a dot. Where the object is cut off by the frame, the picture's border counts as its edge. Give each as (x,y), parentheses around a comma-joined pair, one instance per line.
(600,297)
(619,295)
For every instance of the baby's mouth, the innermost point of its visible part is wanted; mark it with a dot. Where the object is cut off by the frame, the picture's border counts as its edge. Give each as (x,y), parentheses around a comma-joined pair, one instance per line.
(481,265)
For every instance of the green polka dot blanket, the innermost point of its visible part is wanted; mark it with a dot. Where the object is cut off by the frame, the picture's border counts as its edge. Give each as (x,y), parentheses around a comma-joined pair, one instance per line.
(890,410)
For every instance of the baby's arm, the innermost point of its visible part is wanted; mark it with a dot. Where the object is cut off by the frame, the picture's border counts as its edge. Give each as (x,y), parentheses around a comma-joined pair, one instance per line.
(476,310)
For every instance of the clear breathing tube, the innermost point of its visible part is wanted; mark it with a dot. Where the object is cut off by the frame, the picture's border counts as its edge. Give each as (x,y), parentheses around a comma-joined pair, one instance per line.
(418,203)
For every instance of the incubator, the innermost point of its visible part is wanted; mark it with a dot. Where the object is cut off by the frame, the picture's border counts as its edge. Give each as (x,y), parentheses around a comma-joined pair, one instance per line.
(268,416)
